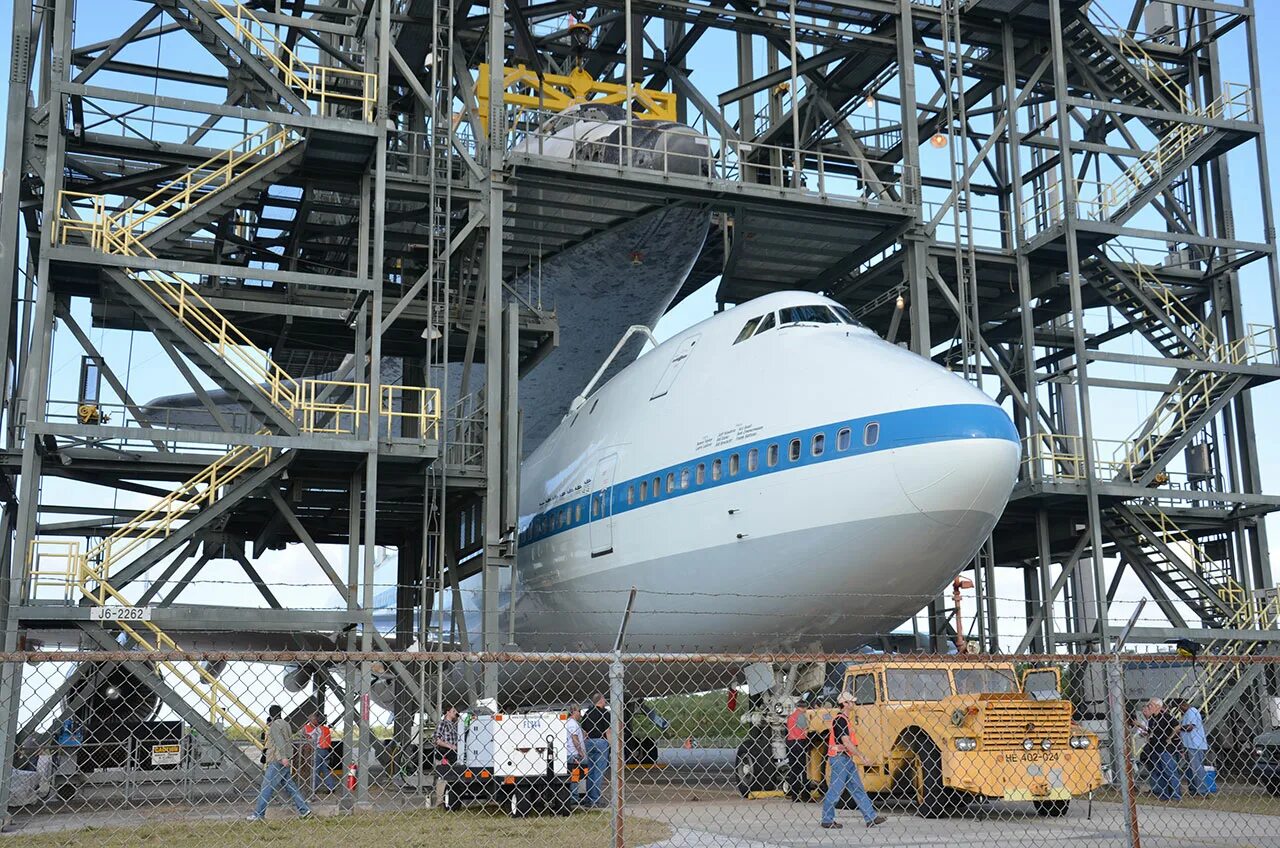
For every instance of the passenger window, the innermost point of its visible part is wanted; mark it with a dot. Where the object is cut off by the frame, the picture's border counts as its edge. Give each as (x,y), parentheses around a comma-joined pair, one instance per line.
(595,505)
(657,487)
(716,466)
(871,434)
(577,512)
(631,495)
(671,483)
(771,456)
(644,491)
(819,444)
(733,465)
(843,439)
(793,450)
(747,330)
(753,459)
(700,474)
(766,324)
(684,478)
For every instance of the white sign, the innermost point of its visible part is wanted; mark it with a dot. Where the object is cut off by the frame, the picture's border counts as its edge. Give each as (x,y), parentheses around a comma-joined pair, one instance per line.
(166,755)
(114,613)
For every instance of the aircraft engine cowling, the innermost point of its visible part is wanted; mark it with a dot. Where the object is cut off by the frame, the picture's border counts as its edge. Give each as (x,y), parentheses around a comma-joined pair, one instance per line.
(296,678)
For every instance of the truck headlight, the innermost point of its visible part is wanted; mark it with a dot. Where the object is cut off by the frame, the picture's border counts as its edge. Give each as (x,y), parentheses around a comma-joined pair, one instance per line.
(966,743)
(1080,742)
(1046,745)
(1028,745)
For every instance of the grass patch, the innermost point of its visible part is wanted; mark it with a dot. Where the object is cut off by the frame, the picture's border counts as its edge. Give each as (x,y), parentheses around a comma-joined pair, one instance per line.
(1234,799)
(383,828)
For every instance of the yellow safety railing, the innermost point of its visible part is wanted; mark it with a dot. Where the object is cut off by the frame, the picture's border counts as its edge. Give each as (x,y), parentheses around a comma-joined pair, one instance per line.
(1149,66)
(419,409)
(130,225)
(1100,200)
(61,552)
(1050,456)
(329,86)
(321,414)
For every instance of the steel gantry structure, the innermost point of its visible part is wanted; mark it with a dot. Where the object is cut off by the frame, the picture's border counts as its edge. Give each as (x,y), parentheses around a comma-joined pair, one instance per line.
(325,214)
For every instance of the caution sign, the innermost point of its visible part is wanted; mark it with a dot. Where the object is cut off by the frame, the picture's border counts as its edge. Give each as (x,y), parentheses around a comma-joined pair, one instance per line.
(166,755)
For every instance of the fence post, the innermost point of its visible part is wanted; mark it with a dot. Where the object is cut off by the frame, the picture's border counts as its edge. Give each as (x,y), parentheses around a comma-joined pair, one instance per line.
(1122,762)
(617,752)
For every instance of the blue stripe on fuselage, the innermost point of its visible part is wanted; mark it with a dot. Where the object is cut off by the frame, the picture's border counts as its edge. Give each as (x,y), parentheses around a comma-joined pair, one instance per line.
(905,428)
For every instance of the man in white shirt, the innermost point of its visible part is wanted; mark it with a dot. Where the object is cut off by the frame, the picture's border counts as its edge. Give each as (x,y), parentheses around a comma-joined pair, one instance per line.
(1195,745)
(575,740)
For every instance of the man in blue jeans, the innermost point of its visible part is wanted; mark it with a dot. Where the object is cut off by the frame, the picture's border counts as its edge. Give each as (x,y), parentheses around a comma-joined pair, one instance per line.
(1161,751)
(279,752)
(595,725)
(1195,746)
(843,757)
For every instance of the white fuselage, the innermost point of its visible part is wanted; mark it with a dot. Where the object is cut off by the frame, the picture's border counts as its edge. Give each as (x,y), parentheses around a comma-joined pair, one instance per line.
(889,474)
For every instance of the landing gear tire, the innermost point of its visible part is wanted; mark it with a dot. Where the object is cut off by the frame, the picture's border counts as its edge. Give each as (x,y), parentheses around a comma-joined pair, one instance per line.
(753,766)
(1051,809)
(934,799)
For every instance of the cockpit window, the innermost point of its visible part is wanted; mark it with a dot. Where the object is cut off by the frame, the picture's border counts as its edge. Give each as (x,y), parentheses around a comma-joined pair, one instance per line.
(766,323)
(846,316)
(816,314)
(747,330)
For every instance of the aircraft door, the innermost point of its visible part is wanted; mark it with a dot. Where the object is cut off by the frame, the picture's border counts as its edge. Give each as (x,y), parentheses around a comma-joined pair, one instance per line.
(600,523)
(674,368)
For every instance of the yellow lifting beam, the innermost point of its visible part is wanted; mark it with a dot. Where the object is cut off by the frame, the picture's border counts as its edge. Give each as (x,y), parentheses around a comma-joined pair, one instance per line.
(557,92)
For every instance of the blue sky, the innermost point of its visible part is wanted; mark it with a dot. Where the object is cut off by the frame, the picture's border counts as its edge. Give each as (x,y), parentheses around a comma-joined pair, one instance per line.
(1115,413)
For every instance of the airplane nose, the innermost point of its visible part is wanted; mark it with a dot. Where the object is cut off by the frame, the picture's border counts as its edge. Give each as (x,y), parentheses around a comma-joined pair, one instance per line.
(965,459)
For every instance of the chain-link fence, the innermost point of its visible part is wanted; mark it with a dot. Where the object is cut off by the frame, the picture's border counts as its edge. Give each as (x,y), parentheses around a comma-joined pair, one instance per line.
(675,750)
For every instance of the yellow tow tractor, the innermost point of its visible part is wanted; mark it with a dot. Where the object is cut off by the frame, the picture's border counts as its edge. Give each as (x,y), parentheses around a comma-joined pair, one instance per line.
(948,733)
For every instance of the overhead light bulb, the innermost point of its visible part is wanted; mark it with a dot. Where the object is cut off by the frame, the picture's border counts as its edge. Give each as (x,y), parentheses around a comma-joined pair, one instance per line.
(870,101)
(939,140)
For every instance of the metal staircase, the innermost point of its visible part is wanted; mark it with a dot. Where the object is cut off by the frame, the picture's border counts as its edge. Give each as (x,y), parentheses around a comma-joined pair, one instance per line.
(257,58)
(1150,306)
(89,575)
(1109,56)
(1147,536)
(1205,582)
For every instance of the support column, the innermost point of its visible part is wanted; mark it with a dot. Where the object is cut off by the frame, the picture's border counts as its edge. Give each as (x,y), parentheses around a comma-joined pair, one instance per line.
(1097,564)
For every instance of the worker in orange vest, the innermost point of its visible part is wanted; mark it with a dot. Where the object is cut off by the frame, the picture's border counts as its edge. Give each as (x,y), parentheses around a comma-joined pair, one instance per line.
(320,737)
(844,758)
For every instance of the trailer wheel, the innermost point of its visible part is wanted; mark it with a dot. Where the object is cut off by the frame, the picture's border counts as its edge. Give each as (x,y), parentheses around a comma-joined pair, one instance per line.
(934,799)
(517,803)
(449,798)
(1054,809)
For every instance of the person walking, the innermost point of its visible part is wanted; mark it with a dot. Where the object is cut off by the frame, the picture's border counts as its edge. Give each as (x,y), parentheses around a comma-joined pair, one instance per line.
(843,758)
(595,725)
(1195,747)
(446,739)
(278,754)
(797,755)
(1162,743)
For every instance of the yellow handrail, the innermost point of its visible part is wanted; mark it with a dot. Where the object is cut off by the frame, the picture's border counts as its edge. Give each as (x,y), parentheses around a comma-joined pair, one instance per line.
(215,174)
(316,82)
(1152,70)
(159,518)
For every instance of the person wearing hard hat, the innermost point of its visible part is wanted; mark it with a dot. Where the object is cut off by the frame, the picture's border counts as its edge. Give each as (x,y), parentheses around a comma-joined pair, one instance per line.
(843,758)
